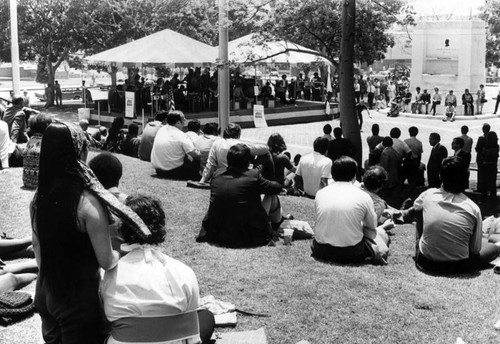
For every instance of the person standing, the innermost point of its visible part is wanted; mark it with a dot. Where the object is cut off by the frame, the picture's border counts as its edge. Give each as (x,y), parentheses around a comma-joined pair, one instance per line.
(468,141)
(481,99)
(479,157)
(411,164)
(15,116)
(497,100)
(390,161)
(370,88)
(360,107)
(436,100)
(490,162)
(357,90)
(373,141)
(58,92)
(468,103)
(438,153)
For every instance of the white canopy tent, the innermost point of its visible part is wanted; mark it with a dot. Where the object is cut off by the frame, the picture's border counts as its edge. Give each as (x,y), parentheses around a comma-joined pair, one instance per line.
(165,48)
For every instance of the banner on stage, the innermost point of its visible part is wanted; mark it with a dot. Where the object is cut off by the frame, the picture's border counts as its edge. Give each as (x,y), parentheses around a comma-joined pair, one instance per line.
(129,104)
(259,118)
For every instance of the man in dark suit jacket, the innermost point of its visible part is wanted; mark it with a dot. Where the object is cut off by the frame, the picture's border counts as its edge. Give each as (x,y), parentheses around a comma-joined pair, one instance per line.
(479,156)
(339,146)
(236,217)
(438,153)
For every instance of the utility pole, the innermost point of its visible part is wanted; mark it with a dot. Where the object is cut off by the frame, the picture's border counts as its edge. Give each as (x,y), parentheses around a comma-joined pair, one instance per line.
(223,67)
(348,115)
(14,48)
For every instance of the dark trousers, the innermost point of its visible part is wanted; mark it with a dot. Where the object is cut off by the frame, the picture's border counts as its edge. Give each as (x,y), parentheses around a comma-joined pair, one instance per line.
(480,176)
(189,170)
(75,319)
(433,107)
(468,109)
(371,96)
(207,325)
(357,96)
(349,254)
(490,178)
(496,104)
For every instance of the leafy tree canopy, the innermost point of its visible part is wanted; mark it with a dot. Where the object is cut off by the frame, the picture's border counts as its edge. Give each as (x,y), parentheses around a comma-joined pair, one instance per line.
(490,13)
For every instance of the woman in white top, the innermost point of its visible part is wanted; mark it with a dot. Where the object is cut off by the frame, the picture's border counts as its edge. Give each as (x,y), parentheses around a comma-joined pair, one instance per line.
(149,296)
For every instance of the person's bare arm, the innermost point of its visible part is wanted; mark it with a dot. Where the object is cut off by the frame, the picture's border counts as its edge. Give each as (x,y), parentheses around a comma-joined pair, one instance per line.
(93,220)
(195,154)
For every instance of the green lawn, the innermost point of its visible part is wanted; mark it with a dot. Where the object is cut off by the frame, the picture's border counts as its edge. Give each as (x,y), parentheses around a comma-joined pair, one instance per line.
(306,299)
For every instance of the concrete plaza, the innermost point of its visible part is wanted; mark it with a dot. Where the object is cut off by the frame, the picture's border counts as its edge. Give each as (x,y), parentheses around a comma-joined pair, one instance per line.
(299,137)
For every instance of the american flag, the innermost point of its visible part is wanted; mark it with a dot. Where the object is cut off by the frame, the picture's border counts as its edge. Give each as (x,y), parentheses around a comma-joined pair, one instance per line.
(170,99)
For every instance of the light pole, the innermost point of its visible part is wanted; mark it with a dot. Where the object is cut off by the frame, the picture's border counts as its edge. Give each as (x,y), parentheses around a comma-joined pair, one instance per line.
(14,48)
(223,67)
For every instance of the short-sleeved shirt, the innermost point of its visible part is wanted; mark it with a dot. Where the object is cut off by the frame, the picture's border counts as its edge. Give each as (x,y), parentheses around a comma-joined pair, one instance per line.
(452,226)
(415,146)
(342,210)
(170,148)
(147,139)
(468,141)
(312,167)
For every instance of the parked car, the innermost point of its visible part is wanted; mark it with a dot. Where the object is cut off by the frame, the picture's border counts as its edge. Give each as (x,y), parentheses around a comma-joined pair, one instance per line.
(70,93)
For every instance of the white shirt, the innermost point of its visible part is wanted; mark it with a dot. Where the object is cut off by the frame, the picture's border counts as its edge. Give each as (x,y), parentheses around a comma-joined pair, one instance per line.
(170,147)
(312,167)
(148,283)
(343,211)
(217,157)
(7,147)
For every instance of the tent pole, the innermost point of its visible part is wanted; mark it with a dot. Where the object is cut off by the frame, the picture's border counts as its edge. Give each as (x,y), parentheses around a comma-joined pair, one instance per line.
(223,67)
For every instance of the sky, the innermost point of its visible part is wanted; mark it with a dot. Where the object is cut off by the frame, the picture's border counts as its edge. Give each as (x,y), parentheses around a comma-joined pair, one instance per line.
(457,7)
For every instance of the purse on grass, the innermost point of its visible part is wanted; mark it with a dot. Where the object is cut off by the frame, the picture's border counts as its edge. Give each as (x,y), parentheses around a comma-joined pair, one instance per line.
(16,304)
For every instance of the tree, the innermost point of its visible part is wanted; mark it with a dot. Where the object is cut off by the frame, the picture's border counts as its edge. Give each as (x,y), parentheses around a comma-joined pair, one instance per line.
(490,13)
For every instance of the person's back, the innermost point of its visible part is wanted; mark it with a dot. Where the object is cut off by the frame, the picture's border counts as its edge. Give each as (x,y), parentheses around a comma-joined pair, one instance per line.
(148,136)
(314,168)
(339,146)
(236,217)
(130,146)
(15,118)
(205,141)
(31,154)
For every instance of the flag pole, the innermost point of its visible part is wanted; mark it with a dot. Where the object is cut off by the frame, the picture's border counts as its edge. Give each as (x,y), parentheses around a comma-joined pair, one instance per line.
(223,66)
(14,48)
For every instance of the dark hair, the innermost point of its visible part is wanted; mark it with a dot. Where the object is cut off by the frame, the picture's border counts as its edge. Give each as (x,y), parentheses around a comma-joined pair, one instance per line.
(151,212)
(107,168)
(413,131)
(327,129)
(464,129)
(374,177)
(133,130)
(239,156)
(17,99)
(486,128)
(375,129)
(55,210)
(194,125)
(387,142)
(288,155)
(344,169)
(39,122)
(117,124)
(459,141)
(174,116)
(276,143)
(337,132)
(210,128)
(491,140)
(435,136)
(161,116)
(454,174)
(320,145)
(296,159)
(395,133)
(232,131)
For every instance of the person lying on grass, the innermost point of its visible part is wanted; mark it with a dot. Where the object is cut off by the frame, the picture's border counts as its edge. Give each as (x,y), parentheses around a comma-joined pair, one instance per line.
(149,296)
(449,226)
(373,179)
(346,224)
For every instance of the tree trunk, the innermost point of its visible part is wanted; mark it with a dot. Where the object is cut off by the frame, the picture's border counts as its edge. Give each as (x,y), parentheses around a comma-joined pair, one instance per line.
(112,73)
(49,101)
(348,116)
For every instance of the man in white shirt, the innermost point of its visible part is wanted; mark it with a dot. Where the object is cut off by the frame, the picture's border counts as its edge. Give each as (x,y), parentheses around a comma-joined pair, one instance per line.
(205,141)
(345,219)
(436,100)
(314,169)
(217,157)
(174,154)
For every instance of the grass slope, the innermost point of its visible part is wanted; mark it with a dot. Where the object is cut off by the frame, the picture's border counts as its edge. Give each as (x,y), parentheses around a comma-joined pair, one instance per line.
(306,299)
